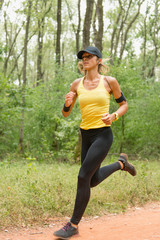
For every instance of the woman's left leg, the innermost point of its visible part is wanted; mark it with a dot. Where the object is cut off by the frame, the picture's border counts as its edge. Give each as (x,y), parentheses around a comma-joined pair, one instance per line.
(96,153)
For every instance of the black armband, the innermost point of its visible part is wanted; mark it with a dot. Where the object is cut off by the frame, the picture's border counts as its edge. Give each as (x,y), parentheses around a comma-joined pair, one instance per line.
(66,109)
(121,99)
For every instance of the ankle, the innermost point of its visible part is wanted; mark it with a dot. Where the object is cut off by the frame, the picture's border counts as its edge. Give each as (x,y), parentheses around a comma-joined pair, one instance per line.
(74,225)
(121,164)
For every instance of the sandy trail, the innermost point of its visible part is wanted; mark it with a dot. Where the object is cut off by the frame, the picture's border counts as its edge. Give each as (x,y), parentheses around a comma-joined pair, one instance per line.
(135,224)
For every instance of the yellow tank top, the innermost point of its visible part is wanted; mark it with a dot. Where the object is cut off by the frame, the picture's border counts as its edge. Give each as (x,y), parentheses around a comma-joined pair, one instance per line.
(93,104)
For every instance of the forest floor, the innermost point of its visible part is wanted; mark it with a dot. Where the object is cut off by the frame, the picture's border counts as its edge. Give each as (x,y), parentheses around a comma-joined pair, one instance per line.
(138,223)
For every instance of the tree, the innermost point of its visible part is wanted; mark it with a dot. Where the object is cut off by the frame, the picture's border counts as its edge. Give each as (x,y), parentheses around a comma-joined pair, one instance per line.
(87,23)
(42,12)
(79,26)
(114,32)
(10,42)
(21,137)
(75,30)
(154,32)
(144,35)
(98,33)
(133,19)
(128,13)
(58,40)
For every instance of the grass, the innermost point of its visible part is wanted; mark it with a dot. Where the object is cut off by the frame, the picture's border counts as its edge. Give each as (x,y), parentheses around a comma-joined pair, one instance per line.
(32,192)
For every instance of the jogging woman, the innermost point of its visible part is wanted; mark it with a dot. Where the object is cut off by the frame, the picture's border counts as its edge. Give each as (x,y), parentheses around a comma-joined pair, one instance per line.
(94,91)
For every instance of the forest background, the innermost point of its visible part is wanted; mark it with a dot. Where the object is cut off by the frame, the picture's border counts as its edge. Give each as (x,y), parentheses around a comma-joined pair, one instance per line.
(39,40)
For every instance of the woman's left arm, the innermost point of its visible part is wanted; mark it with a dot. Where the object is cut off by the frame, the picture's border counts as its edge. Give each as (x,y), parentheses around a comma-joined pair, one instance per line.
(119,97)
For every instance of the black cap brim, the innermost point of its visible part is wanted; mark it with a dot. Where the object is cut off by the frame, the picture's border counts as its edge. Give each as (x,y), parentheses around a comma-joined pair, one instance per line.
(80,53)
(92,50)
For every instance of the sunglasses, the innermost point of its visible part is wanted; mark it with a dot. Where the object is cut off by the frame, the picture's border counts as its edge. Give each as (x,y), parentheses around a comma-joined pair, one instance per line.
(87,57)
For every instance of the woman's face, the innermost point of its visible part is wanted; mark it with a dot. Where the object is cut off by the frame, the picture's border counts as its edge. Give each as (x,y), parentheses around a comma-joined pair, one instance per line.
(89,61)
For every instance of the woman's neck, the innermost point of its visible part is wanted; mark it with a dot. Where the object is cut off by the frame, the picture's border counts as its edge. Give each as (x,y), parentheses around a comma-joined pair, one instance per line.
(92,75)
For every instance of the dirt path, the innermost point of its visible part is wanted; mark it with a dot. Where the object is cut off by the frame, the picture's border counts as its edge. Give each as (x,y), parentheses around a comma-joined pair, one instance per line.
(136,224)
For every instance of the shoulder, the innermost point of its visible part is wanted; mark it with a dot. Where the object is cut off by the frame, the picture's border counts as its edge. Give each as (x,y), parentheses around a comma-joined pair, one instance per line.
(114,85)
(75,84)
(110,79)
(110,83)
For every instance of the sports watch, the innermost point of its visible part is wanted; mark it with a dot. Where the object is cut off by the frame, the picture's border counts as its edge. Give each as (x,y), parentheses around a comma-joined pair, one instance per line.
(117,116)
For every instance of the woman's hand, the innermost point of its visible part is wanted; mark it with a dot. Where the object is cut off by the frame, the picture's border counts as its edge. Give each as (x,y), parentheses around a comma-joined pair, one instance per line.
(69,98)
(108,118)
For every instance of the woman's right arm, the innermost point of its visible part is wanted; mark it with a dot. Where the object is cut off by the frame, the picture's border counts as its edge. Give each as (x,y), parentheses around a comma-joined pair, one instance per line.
(70,98)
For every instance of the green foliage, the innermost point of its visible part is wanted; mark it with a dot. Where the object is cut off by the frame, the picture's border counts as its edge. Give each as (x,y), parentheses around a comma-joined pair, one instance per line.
(9,112)
(49,136)
(141,125)
(32,193)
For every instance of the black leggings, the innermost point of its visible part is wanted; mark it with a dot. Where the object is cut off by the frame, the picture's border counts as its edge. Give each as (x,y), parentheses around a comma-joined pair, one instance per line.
(95,146)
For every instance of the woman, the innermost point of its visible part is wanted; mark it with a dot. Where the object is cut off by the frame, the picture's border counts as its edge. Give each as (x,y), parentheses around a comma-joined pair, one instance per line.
(94,91)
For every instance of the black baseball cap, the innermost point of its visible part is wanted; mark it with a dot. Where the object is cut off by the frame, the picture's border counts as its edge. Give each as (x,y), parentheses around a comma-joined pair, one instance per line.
(92,50)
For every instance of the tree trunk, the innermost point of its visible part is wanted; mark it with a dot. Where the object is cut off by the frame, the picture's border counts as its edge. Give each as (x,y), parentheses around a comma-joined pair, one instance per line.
(124,16)
(155,38)
(79,26)
(126,35)
(10,52)
(114,33)
(40,48)
(16,57)
(76,31)
(58,40)
(41,25)
(98,33)
(122,139)
(144,46)
(63,58)
(87,23)
(124,40)
(77,152)
(21,137)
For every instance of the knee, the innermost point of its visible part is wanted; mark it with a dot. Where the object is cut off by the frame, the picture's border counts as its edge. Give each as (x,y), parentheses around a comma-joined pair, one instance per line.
(82,178)
(95,180)
(93,183)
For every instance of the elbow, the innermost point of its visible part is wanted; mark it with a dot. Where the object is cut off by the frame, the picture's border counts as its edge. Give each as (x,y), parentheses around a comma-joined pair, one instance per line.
(65,114)
(126,105)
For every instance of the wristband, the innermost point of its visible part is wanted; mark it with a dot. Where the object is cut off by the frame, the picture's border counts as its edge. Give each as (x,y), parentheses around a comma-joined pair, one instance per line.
(66,109)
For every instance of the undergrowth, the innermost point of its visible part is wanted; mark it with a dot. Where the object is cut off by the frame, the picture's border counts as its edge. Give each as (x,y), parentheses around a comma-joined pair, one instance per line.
(33,192)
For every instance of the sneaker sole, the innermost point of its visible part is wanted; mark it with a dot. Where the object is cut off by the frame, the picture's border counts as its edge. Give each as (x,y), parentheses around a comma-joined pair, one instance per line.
(63,238)
(134,171)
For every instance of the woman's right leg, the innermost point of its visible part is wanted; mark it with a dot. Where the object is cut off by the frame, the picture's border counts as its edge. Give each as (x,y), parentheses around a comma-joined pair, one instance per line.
(104,172)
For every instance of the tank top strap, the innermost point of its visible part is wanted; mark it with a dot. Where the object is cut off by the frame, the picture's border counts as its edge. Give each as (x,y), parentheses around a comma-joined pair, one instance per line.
(80,86)
(81,83)
(101,83)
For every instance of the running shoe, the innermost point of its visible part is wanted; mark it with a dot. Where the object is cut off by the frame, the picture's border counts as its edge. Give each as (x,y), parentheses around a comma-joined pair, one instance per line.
(127,166)
(66,232)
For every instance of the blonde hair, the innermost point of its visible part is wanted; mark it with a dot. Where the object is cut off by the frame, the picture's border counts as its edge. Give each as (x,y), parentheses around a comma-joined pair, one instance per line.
(102,68)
